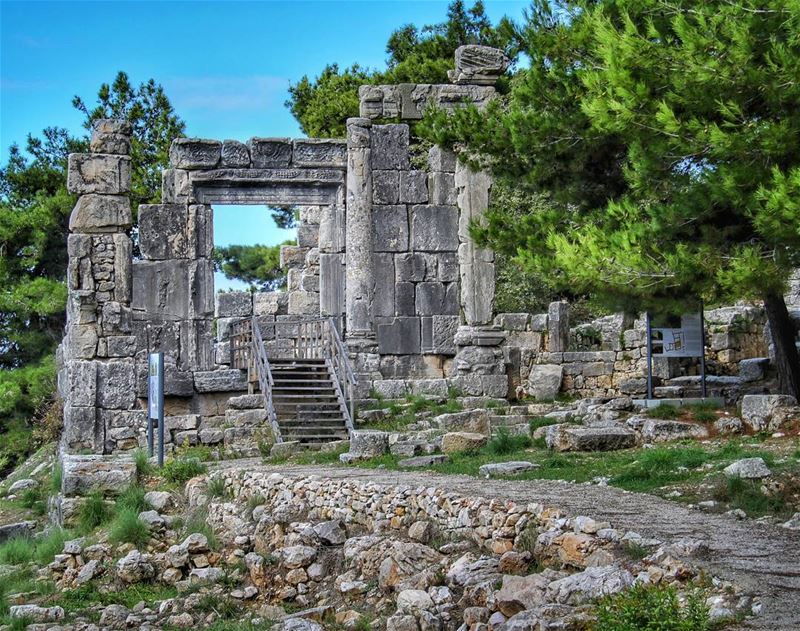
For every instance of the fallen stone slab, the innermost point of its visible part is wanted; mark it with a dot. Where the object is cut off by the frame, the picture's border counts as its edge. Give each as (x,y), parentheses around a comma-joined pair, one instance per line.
(18,529)
(767,411)
(748,468)
(422,461)
(455,442)
(366,444)
(659,430)
(574,438)
(497,469)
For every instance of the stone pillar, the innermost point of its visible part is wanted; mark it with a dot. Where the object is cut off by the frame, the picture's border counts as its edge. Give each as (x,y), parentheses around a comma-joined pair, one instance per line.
(558,327)
(98,377)
(476,264)
(360,269)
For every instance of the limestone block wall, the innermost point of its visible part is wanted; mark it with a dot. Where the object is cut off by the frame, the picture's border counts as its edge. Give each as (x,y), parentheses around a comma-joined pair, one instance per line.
(97,377)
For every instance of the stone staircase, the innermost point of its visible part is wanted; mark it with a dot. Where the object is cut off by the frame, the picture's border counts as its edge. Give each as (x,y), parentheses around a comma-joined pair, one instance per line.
(307,402)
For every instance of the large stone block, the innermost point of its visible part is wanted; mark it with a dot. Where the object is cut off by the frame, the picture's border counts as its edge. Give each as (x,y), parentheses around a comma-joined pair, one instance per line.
(293,256)
(434,228)
(235,154)
(332,229)
(101,213)
(544,381)
(478,65)
(304,303)
(270,152)
(123,261)
(390,228)
(115,319)
(767,411)
(441,159)
(270,303)
(163,231)
(116,384)
(230,380)
(399,336)
(404,299)
(413,187)
(200,231)
(558,326)
(430,298)
(83,474)
(194,153)
(175,186)
(442,188)
(82,431)
(575,438)
(111,135)
(161,288)
(410,267)
(390,147)
(331,284)
(385,187)
(98,173)
(443,331)
(230,304)
(81,383)
(81,342)
(201,288)
(319,152)
(384,302)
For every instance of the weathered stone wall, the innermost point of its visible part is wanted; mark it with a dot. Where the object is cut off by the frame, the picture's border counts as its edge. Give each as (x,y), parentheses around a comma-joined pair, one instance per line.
(608,356)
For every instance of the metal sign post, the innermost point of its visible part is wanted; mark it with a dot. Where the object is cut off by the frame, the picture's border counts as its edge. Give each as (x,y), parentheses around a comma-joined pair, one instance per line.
(155,403)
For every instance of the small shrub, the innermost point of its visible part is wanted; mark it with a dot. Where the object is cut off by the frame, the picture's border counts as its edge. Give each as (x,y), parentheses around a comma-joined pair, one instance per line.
(143,465)
(255,501)
(57,478)
(646,608)
(133,498)
(216,486)
(635,550)
(17,551)
(224,607)
(94,512)
(504,443)
(181,470)
(664,411)
(128,528)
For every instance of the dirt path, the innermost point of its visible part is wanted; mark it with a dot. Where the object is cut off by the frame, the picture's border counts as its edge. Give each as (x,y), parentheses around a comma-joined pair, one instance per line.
(763,559)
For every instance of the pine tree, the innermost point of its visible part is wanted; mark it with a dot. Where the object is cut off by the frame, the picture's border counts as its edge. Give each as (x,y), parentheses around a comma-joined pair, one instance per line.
(667,135)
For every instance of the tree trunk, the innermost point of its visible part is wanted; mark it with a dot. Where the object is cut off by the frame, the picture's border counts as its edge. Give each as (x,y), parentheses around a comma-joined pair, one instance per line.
(787,359)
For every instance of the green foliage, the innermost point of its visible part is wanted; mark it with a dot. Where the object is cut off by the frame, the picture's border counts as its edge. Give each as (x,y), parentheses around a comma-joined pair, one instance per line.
(667,145)
(197,521)
(664,411)
(258,265)
(128,528)
(504,443)
(17,551)
(85,596)
(143,465)
(415,55)
(749,497)
(24,550)
(660,465)
(182,469)
(541,421)
(93,512)
(216,487)
(133,498)
(646,608)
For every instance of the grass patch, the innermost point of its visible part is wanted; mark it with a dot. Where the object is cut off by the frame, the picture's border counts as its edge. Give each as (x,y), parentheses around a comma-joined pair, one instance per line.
(17,551)
(94,512)
(542,421)
(504,443)
(400,415)
(143,465)
(182,469)
(659,466)
(664,411)
(87,595)
(21,550)
(222,606)
(645,608)
(216,487)
(56,478)
(748,496)
(197,522)
(133,499)
(128,528)
(34,500)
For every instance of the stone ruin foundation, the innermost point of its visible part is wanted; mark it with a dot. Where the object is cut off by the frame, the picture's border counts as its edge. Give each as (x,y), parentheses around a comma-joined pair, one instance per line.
(383,248)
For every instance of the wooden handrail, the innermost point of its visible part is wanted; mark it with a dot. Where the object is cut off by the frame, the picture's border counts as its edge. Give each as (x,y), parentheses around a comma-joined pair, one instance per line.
(258,354)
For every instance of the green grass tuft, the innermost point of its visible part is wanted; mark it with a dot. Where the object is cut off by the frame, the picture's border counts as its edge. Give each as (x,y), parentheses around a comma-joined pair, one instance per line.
(198,522)
(17,551)
(216,487)
(133,498)
(664,411)
(504,443)
(94,512)
(128,528)
(143,465)
(646,608)
(182,469)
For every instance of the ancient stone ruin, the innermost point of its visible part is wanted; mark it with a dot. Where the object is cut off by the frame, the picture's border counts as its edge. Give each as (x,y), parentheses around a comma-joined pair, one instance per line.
(387,293)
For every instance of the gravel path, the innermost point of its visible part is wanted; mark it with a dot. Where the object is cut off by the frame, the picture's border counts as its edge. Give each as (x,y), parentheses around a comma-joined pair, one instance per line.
(763,559)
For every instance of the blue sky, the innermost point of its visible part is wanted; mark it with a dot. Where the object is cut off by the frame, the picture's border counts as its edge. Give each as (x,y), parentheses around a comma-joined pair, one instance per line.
(226,66)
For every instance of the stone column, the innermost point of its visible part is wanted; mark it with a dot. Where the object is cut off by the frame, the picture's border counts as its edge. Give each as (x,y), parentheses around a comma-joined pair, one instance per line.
(476,264)
(558,327)
(98,375)
(360,272)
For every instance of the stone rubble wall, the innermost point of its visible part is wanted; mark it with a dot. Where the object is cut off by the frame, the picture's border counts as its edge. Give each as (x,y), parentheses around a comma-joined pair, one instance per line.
(607,357)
